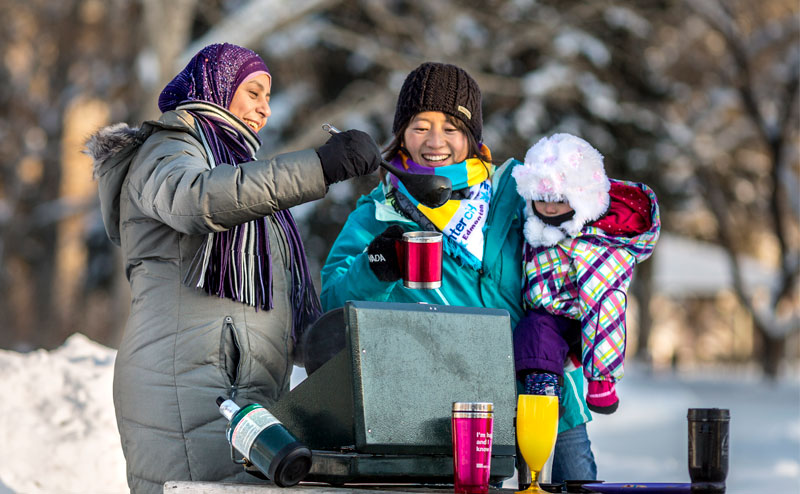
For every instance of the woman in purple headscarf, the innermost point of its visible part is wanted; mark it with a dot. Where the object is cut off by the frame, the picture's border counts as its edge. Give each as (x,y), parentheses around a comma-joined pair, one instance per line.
(219,281)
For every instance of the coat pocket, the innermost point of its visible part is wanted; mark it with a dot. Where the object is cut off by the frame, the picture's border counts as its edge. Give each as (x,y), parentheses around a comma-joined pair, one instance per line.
(230,356)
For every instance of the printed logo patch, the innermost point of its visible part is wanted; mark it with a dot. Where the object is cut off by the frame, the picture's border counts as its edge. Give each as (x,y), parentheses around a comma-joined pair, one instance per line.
(376,258)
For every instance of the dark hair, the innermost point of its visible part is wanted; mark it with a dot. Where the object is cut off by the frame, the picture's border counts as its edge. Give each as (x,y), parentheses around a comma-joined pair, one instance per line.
(473,148)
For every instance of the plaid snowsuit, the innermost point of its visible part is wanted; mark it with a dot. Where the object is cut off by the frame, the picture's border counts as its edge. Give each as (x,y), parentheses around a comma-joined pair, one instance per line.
(587,277)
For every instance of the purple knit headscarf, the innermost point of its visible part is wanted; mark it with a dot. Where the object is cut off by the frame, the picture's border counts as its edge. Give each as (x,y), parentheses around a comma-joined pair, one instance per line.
(212,75)
(226,265)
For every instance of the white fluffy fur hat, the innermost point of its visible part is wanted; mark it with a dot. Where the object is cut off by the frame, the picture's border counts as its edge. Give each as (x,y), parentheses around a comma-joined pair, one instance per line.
(562,167)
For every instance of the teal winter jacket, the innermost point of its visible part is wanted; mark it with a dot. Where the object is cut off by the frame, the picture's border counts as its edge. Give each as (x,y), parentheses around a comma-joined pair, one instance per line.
(498,284)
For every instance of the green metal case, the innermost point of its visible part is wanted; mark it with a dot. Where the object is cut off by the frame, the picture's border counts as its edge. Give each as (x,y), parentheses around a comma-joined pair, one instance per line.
(379,410)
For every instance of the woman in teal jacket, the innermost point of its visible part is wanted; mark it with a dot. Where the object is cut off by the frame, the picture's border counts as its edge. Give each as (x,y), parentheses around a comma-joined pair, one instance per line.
(437,126)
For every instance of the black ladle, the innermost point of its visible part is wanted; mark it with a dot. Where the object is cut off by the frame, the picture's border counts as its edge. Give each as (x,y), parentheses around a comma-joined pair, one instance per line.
(430,190)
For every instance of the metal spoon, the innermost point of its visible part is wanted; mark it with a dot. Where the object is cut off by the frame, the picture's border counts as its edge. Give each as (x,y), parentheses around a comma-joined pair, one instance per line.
(430,190)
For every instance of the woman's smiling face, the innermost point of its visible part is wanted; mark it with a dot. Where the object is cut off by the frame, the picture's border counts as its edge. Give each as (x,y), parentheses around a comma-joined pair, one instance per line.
(432,140)
(251,102)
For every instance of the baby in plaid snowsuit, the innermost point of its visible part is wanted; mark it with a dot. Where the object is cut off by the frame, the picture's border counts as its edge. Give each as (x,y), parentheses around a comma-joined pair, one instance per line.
(584,234)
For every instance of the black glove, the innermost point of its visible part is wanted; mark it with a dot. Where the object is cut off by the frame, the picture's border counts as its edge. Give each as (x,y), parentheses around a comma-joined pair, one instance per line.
(348,154)
(382,254)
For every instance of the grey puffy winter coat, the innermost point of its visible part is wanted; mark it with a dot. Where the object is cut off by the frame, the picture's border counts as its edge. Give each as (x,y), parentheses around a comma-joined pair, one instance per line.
(181,347)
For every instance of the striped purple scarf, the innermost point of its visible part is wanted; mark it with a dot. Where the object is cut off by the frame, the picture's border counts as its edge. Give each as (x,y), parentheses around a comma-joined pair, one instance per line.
(236,263)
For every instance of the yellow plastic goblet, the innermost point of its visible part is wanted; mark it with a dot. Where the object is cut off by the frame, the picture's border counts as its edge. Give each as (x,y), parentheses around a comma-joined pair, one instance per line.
(537,428)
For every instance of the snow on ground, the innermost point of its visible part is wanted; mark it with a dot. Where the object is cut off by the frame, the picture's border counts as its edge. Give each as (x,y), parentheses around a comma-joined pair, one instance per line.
(58,430)
(59,434)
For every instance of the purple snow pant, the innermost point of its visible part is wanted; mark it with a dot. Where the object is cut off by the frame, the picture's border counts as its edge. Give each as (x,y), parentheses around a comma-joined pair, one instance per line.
(542,342)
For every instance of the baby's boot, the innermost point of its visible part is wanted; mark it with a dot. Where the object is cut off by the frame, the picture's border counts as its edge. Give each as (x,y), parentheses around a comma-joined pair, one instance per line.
(602,397)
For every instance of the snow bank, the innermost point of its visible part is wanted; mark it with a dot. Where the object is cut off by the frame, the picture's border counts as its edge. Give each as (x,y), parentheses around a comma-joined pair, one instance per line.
(59,433)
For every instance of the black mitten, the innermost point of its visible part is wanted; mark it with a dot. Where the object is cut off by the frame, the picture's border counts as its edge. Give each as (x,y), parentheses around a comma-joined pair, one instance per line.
(382,253)
(348,154)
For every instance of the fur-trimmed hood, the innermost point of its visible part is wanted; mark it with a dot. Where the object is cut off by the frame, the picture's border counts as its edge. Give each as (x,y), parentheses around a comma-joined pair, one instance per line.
(108,144)
(558,168)
(113,149)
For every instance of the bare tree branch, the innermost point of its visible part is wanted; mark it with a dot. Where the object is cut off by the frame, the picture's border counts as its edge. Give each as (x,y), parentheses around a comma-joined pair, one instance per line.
(719,17)
(248,24)
(775,135)
(394,60)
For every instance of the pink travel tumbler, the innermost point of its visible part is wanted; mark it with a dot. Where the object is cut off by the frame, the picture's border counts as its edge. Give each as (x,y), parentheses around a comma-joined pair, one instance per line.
(472,447)
(422,259)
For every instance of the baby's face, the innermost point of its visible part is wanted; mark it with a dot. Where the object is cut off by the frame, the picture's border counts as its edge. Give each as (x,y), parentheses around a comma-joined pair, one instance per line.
(552,208)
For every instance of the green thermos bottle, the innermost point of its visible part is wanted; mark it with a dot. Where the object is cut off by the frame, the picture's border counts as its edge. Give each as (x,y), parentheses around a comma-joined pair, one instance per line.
(265,442)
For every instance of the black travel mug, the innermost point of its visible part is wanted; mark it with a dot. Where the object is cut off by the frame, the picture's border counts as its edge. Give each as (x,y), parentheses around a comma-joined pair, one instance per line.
(708,448)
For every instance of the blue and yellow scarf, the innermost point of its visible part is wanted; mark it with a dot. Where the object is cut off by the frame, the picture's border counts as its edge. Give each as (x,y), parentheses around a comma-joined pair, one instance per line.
(462,218)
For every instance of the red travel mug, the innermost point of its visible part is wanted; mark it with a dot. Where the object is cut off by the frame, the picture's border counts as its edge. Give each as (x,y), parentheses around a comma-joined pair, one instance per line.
(422,259)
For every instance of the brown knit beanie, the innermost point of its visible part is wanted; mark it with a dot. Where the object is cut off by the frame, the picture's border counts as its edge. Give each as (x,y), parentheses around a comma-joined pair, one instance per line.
(440,87)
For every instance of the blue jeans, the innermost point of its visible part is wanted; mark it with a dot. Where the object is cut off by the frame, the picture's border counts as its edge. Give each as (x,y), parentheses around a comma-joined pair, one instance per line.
(573,458)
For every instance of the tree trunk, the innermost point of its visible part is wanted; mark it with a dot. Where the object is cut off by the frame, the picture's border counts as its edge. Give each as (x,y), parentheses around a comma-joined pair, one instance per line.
(772,351)
(167,28)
